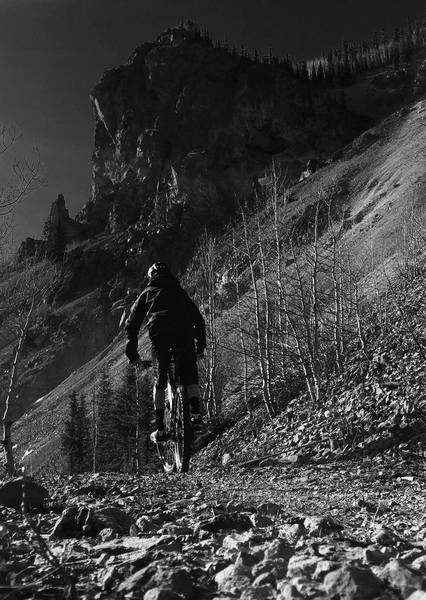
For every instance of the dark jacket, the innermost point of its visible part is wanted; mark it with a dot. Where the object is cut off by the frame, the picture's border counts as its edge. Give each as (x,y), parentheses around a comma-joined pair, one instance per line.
(169,311)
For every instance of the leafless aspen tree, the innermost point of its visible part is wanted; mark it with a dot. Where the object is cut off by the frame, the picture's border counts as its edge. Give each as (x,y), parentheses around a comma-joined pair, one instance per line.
(262,359)
(240,326)
(206,261)
(20,298)
(276,193)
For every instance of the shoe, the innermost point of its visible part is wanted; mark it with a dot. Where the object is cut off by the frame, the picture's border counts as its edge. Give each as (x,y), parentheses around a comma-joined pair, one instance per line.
(159,437)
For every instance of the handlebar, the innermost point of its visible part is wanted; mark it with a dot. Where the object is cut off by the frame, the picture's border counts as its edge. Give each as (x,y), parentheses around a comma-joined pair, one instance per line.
(147,364)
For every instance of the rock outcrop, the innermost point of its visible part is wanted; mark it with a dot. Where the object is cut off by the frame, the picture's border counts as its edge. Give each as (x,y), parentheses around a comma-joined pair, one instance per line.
(30,248)
(185,127)
(61,229)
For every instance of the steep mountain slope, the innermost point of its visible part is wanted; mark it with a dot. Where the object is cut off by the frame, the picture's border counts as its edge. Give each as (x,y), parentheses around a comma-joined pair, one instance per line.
(181,130)
(374,180)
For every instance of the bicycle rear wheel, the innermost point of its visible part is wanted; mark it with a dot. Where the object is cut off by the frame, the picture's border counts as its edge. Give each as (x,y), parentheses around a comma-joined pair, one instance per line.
(183,432)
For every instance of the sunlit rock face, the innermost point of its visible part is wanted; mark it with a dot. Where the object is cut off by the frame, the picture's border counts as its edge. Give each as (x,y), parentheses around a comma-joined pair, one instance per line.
(185,128)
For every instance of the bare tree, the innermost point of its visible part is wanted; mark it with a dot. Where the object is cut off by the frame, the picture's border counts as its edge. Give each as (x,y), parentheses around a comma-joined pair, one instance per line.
(24,178)
(21,298)
(206,261)
(252,257)
(278,193)
(242,334)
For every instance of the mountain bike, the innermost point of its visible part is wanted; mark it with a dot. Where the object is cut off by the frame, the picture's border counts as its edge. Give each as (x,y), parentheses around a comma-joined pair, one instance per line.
(175,453)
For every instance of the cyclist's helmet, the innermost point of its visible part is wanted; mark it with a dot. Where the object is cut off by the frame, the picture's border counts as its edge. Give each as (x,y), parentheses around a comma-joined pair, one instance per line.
(157,268)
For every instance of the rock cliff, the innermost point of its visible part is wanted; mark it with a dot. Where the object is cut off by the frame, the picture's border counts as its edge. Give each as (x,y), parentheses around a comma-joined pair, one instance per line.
(186,127)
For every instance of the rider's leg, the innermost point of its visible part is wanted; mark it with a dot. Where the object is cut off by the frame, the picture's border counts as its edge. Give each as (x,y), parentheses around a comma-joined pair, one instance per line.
(193,392)
(161,361)
(189,378)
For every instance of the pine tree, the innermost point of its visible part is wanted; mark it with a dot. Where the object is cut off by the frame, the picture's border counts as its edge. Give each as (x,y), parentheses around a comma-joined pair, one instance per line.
(106,456)
(75,439)
(130,422)
(68,440)
(83,449)
(123,423)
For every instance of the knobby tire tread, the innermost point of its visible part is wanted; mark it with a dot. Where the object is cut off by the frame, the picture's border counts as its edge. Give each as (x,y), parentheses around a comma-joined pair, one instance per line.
(183,410)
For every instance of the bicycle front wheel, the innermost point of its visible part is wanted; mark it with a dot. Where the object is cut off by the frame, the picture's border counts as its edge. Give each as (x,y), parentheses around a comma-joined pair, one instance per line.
(183,433)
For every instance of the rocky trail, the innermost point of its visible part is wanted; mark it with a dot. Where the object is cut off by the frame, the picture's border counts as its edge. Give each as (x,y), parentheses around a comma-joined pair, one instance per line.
(348,529)
(323,501)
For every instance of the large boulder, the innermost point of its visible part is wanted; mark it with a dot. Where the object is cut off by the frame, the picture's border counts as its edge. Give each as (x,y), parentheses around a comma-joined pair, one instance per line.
(11,493)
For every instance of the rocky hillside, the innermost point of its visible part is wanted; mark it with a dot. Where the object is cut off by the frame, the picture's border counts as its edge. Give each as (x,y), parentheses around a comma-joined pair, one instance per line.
(373,180)
(181,129)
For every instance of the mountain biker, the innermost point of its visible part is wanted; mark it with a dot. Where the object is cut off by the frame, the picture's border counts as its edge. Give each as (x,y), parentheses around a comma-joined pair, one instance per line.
(174,323)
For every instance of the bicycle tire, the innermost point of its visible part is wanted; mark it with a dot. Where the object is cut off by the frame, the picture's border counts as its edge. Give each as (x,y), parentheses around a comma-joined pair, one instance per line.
(166,451)
(183,429)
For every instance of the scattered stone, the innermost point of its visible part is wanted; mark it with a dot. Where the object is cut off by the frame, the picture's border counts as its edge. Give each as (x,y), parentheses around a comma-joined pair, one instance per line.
(76,521)
(269,508)
(138,581)
(320,526)
(279,548)
(374,555)
(125,545)
(176,530)
(226,459)
(11,494)
(264,578)
(420,563)
(277,567)
(323,567)
(411,555)
(106,534)
(225,521)
(108,517)
(259,520)
(294,459)
(384,536)
(352,583)
(107,577)
(289,592)
(291,532)
(302,565)
(405,579)
(159,577)
(161,594)
(67,526)
(264,592)
(92,489)
(245,560)
(232,580)
(237,541)
(145,524)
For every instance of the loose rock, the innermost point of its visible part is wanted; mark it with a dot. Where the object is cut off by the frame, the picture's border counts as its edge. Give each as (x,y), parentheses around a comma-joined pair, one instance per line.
(352,583)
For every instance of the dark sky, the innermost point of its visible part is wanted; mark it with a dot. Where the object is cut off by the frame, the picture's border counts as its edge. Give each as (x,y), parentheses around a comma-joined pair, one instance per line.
(52,52)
